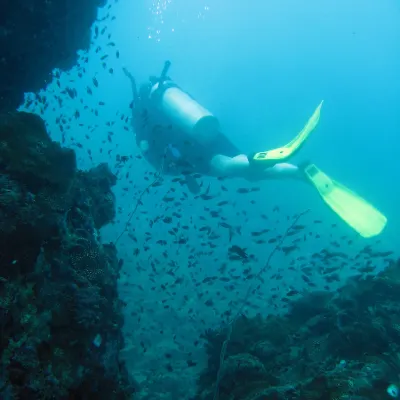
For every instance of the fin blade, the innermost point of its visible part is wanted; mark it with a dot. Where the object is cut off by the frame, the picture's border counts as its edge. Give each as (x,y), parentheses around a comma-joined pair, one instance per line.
(349,206)
(287,151)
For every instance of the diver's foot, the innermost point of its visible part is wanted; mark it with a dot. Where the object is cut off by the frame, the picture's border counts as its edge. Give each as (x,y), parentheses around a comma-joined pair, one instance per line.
(303,165)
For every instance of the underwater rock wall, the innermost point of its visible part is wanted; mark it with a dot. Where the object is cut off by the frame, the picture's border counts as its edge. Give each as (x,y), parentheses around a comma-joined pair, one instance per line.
(60,315)
(37,36)
(343,345)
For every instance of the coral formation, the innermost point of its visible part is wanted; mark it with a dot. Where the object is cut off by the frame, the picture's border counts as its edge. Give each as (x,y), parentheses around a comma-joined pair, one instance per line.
(342,345)
(60,316)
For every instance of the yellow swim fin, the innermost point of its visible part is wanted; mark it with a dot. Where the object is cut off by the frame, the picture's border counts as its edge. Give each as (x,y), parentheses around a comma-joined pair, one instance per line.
(283,153)
(354,210)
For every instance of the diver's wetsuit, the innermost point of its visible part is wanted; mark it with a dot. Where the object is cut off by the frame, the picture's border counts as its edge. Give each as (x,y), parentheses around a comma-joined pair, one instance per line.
(182,153)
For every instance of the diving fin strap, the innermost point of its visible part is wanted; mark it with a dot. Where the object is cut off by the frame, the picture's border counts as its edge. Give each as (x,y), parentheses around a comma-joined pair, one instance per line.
(351,208)
(287,151)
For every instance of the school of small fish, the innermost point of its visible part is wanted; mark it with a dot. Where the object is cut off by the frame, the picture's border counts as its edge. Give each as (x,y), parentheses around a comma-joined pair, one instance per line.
(169,252)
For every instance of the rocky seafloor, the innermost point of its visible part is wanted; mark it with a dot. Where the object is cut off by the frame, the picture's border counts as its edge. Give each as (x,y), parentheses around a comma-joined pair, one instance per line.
(61,318)
(60,315)
(329,346)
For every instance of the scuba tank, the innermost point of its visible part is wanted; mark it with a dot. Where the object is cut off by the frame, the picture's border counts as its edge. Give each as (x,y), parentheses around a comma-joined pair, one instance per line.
(182,110)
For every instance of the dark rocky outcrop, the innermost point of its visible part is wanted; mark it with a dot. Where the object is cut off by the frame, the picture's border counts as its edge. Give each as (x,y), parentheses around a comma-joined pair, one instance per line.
(37,36)
(60,315)
(343,345)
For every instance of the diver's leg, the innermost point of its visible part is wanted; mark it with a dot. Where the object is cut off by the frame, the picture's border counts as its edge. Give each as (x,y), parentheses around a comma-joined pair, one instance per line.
(240,166)
(281,171)
(221,165)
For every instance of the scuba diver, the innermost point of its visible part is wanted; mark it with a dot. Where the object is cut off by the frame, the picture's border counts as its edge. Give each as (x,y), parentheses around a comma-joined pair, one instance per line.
(174,132)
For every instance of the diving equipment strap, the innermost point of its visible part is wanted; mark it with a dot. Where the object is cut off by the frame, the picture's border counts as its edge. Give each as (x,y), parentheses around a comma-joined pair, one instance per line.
(283,153)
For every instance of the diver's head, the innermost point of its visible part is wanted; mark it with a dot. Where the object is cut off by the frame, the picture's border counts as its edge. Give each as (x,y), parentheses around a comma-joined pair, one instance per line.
(153,80)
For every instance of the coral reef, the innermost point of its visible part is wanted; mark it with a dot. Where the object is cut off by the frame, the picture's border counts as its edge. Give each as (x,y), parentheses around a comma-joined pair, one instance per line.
(343,345)
(37,36)
(60,316)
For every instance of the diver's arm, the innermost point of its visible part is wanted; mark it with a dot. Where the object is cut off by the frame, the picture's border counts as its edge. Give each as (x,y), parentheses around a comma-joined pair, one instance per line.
(133,84)
(240,166)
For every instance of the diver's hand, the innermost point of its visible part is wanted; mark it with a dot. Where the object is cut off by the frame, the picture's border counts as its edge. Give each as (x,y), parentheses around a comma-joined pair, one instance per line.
(144,146)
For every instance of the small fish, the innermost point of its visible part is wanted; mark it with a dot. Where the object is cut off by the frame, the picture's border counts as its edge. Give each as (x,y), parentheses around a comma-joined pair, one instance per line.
(241,252)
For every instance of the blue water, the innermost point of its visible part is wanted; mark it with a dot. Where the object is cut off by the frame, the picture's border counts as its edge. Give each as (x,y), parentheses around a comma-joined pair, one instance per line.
(261,67)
